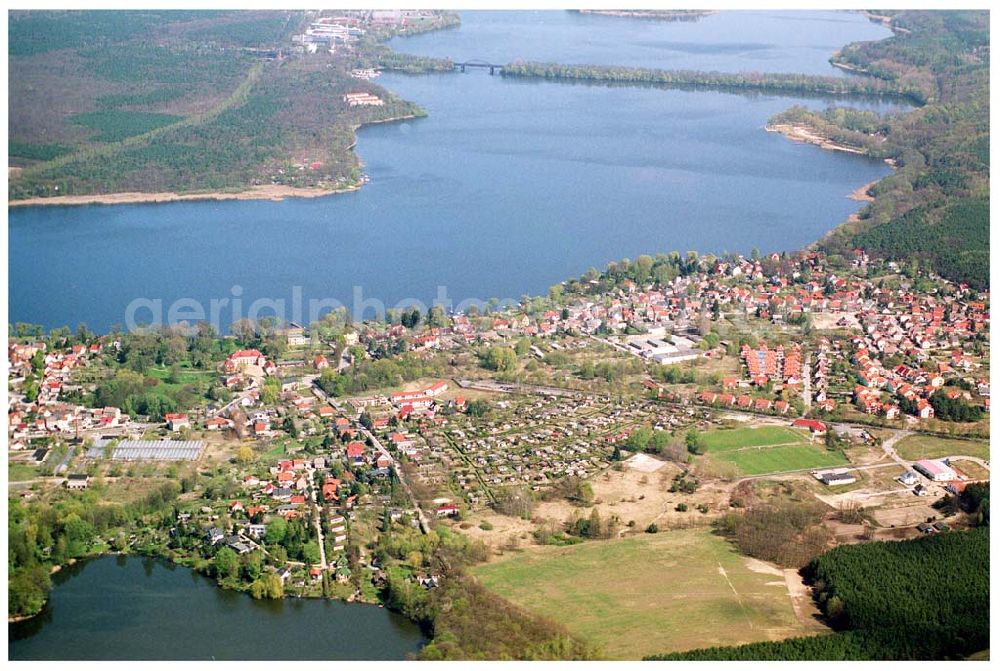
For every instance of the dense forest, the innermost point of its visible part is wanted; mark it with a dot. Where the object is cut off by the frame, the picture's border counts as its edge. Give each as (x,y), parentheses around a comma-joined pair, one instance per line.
(187,102)
(935,207)
(774,82)
(926,598)
(953,237)
(248,142)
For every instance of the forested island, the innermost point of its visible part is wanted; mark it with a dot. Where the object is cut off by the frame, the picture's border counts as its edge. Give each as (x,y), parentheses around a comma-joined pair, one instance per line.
(653,14)
(774,82)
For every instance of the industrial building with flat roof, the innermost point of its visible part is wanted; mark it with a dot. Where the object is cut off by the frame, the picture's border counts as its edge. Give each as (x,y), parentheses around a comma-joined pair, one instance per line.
(935,470)
(148,450)
(835,476)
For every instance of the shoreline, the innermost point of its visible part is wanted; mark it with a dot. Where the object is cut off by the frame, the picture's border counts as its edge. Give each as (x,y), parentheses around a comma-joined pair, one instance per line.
(272,192)
(13,619)
(860,194)
(848,68)
(806,135)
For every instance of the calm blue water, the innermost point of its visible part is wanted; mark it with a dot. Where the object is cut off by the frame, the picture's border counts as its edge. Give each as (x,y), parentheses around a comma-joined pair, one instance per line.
(505,189)
(736,41)
(117,608)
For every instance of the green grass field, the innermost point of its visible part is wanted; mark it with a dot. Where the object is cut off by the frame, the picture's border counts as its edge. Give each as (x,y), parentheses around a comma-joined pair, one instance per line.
(734,439)
(651,593)
(757,461)
(197,378)
(931,447)
(768,449)
(21,472)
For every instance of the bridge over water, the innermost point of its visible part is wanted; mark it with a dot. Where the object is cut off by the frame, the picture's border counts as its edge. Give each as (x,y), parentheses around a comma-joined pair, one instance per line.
(494,68)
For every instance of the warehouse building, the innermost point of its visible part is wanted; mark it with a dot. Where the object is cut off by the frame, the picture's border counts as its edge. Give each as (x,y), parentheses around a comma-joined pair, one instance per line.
(935,470)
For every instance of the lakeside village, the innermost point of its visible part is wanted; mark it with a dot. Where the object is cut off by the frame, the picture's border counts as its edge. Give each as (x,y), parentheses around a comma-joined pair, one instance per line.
(288,454)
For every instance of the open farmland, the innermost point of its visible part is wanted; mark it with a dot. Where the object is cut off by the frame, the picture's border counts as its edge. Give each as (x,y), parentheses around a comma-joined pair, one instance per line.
(768,449)
(931,447)
(668,591)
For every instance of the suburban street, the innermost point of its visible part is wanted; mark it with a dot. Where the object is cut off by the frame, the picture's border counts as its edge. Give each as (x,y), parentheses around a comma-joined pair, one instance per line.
(314,495)
(322,395)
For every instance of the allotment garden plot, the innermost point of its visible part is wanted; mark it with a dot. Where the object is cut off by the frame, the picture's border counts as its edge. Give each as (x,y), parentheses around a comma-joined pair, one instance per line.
(769,449)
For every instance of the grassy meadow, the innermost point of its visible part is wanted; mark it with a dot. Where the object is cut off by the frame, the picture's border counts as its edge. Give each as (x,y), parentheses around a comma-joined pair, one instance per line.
(651,593)
(932,447)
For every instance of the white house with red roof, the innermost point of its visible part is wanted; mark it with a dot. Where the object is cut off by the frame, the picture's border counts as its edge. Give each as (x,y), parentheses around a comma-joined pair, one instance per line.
(217,423)
(177,420)
(446,510)
(438,387)
(244,357)
(816,427)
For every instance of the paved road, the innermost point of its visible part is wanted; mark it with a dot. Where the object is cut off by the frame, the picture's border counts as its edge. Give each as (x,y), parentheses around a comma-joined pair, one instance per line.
(424,524)
(806,383)
(345,361)
(889,444)
(314,495)
(236,399)
(62,464)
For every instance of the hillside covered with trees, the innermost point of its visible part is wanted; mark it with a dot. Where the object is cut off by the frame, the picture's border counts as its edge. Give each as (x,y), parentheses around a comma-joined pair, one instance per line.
(187,102)
(934,209)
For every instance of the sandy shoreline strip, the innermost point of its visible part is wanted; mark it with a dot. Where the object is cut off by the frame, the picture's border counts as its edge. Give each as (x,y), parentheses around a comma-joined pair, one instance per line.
(805,134)
(861,193)
(272,192)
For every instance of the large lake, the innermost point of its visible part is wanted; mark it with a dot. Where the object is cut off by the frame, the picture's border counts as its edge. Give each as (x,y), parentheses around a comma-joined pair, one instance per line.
(117,608)
(506,188)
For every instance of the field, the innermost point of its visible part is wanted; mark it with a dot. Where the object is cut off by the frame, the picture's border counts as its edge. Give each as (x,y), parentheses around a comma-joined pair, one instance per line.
(20,472)
(656,592)
(931,447)
(971,469)
(762,436)
(768,449)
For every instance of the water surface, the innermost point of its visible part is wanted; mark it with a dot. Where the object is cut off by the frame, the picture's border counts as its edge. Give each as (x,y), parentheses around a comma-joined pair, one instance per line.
(732,41)
(117,608)
(507,187)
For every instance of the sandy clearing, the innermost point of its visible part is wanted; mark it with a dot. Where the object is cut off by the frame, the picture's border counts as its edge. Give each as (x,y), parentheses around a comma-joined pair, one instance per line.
(758,566)
(644,463)
(802,604)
